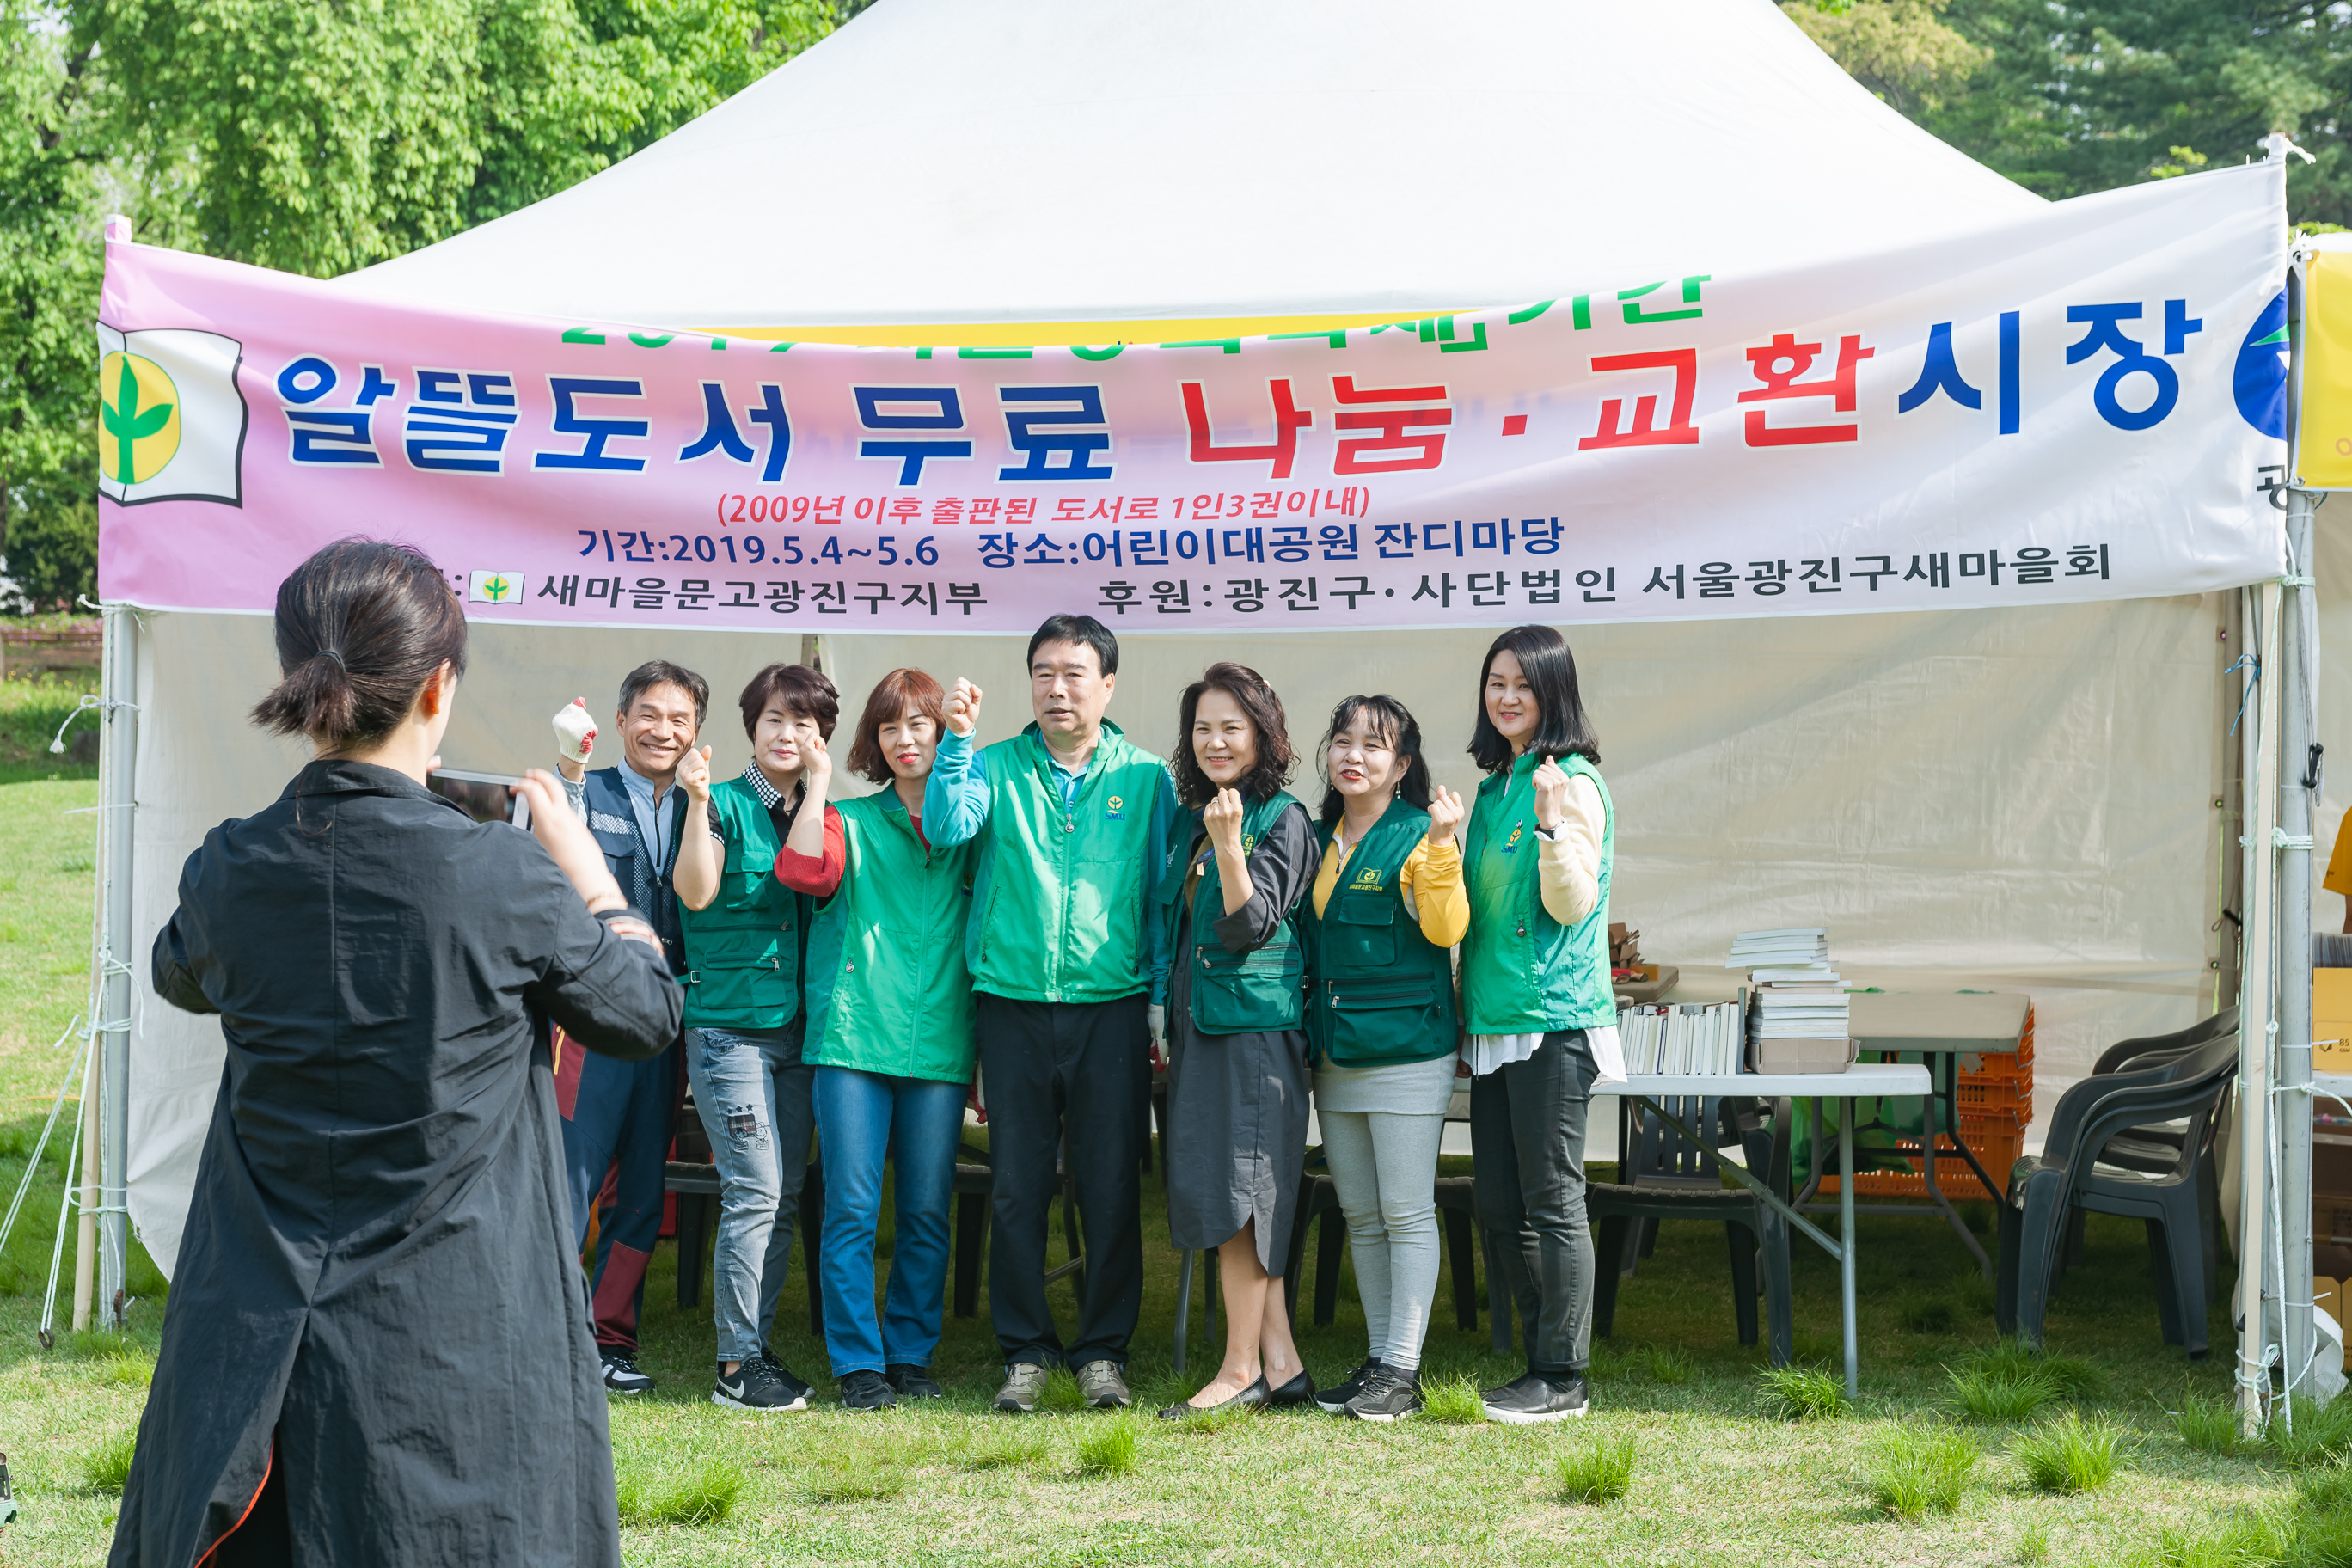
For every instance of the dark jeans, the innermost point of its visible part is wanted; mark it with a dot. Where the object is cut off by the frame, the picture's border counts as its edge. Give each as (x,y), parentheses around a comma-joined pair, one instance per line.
(1526,1136)
(621,1114)
(1046,1067)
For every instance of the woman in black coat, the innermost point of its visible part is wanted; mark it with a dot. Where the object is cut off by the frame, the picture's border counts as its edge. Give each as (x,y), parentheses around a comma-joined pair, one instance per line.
(376,1347)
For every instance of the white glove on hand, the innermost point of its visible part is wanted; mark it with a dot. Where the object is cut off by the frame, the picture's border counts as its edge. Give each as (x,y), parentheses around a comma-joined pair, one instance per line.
(576,731)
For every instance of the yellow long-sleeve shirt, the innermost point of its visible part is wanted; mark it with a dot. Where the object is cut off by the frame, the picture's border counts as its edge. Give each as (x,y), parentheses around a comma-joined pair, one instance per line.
(1431,881)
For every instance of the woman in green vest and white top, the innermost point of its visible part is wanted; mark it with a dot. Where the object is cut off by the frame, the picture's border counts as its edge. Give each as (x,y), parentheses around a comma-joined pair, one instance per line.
(1237,1081)
(889,1039)
(1539,1020)
(745,936)
(1387,910)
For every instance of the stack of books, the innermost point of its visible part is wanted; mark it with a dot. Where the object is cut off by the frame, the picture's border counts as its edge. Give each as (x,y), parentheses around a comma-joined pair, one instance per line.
(1798,994)
(1683,1037)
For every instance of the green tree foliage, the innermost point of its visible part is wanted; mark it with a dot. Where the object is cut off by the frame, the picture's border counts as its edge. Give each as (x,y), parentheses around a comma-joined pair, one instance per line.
(313,136)
(2069,98)
(49,266)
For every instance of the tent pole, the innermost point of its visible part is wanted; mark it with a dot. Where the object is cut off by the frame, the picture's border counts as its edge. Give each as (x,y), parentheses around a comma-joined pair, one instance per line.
(2258,1032)
(117,766)
(86,1200)
(2298,783)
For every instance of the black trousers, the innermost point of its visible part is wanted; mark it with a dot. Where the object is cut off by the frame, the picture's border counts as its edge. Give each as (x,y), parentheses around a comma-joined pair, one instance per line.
(1046,1067)
(1526,1136)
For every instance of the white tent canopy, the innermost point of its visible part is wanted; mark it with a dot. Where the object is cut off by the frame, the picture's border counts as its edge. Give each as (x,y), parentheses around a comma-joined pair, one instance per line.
(971,161)
(2024,799)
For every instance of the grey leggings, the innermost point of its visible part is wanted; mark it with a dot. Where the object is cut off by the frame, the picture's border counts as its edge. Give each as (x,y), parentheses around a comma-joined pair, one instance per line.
(1384,1168)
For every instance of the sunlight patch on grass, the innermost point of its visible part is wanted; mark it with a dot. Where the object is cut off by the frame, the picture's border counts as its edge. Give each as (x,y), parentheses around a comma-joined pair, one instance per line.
(106,1468)
(1452,1400)
(1913,1471)
(1801,1392)
(1109,1448)
(2067,1454)
(1598,1470)
(697,1492)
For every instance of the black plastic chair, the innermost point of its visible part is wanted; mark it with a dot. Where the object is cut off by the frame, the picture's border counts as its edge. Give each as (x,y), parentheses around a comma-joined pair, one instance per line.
(2156,1149)
(1670,1180)
(2043,1189)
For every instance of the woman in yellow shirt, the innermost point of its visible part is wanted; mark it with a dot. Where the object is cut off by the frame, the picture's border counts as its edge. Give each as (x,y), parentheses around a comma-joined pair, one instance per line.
(1389,906)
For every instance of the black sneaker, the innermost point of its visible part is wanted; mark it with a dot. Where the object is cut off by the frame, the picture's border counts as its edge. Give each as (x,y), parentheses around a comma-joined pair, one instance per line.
(621,1373)
(915,1381)
(1387,1394)
(1335,1400)
(1527,1400)
(783,1374)
(759,1384)
(865,1389)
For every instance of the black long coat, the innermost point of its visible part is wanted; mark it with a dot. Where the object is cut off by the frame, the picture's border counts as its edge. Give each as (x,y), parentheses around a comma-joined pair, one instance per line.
(377,1264)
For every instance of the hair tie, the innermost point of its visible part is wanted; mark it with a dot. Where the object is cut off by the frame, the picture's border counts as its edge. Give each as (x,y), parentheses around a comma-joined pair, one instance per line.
(337,657)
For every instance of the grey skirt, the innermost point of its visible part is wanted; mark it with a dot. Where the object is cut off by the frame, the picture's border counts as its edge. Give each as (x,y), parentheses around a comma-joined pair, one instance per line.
(1236,1137)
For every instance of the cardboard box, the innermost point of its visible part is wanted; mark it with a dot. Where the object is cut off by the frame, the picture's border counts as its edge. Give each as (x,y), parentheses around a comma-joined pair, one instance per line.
(2331,1020)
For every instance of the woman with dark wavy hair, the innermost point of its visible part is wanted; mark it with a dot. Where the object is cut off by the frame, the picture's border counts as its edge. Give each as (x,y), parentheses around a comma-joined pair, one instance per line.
(1237,1077)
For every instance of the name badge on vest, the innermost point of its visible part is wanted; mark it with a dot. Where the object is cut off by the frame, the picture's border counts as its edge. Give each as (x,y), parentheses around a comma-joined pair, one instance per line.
(1370,876)
(1511,845)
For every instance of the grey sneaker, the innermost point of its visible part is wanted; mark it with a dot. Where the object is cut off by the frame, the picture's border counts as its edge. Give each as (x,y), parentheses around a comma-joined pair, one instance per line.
(1024,1383)
(1102,1386)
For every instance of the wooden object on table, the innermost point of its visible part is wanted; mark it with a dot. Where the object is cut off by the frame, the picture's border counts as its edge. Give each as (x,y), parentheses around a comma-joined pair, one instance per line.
(1656,980)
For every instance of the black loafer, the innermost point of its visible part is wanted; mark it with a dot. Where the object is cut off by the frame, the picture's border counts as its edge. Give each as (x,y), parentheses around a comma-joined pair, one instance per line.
(1255,1394)
(1299,1390)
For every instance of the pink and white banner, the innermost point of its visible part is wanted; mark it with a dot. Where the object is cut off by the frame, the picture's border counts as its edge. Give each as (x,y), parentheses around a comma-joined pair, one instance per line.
(2086,403)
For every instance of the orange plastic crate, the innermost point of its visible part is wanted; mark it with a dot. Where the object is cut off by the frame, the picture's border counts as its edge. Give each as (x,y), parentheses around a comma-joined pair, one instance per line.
(1998,1143)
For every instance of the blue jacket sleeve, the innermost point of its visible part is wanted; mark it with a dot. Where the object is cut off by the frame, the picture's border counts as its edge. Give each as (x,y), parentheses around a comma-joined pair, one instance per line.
(1166,815)
(955,800)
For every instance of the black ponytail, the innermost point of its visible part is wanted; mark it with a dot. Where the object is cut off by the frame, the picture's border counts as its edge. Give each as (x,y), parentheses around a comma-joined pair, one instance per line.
(362,627)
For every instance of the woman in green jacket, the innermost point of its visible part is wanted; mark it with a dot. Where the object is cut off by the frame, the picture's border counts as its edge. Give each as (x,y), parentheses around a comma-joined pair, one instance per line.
(1237,1080)
(890,1039)
(1539,1021)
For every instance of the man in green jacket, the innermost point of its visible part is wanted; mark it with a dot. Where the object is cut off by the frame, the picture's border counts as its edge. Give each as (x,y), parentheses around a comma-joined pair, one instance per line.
(1072,821)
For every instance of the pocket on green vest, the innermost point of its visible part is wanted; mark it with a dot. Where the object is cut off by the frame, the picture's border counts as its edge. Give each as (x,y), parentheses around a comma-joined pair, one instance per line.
(737,987)
(1360,929)
(743,880)
(1374,1023)
(1236,993)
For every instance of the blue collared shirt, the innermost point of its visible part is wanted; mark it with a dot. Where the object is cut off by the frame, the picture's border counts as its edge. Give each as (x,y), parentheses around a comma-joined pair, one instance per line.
(654,816)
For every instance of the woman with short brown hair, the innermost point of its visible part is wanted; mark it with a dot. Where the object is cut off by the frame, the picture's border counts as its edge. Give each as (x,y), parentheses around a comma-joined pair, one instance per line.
(889,1039)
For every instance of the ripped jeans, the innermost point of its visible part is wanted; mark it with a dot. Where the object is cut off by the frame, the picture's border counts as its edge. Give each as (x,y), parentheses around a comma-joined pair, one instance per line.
(753,1096)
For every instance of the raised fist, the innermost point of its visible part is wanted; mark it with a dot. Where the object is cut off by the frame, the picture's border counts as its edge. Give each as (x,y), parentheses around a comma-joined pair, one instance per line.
(576,731)
(963,708)
(1551,794)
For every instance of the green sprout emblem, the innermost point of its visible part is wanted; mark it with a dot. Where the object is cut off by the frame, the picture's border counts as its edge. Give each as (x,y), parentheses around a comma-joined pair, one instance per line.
(128,423)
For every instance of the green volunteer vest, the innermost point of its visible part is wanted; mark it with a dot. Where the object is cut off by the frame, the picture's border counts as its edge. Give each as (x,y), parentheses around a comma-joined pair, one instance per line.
(1233,993)
(1523,971)
(1058,912)
(742,953)
(888,989)
(1383,992)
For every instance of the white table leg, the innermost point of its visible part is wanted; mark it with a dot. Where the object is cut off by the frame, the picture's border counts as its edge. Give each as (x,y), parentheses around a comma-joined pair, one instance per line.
(1846,1246)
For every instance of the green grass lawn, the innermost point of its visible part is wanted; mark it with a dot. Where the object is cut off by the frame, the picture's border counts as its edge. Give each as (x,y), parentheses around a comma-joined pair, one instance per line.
(1717,1477)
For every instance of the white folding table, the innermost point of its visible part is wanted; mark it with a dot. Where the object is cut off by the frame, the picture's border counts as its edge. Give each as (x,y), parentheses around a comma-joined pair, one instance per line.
(1859,1081)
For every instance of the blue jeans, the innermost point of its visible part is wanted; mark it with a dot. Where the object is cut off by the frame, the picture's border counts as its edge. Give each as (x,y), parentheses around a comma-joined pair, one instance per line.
(861,1117)
(753,1097)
